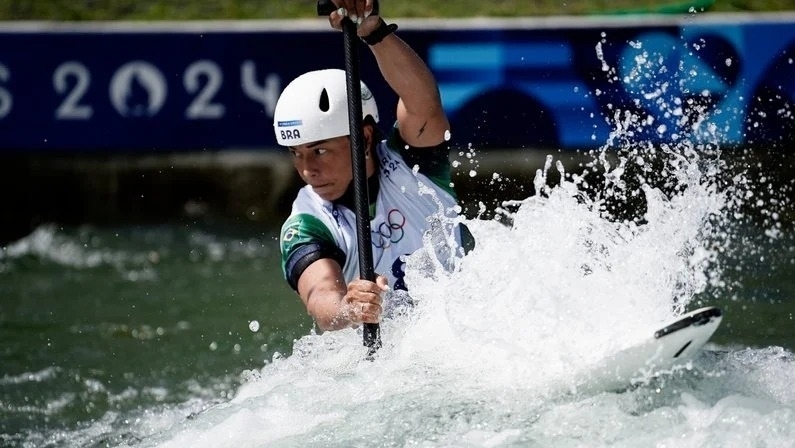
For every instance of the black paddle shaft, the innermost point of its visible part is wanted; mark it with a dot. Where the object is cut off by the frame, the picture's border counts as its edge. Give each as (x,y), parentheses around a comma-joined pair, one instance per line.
(372,336)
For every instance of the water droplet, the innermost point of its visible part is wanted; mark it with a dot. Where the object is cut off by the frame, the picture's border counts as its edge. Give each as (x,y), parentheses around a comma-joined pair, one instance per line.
(253,326)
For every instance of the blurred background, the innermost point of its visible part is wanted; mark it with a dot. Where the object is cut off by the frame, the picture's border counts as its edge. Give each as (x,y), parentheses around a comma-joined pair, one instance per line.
(114,112)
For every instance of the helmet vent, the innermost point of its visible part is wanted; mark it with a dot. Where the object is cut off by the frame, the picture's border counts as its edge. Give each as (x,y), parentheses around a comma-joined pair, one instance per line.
(324,102)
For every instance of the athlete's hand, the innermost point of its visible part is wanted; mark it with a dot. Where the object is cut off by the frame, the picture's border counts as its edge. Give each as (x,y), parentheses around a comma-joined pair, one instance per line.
(362,301)
(359,11)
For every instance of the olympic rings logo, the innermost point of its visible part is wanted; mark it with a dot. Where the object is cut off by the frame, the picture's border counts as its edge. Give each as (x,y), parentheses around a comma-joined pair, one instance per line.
(390,231)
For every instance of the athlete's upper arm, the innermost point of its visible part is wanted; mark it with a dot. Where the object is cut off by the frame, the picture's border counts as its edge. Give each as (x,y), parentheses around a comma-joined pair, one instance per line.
(304,240)
(422,128)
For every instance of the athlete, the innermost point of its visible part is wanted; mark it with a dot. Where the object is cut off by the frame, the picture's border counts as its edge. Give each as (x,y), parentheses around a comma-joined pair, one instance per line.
(408,177)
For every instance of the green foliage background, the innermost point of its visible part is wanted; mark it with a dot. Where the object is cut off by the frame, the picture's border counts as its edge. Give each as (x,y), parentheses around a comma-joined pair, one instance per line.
(80,10)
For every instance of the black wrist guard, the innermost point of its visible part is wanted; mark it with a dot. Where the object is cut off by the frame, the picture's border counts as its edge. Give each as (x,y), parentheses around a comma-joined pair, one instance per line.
(379,33)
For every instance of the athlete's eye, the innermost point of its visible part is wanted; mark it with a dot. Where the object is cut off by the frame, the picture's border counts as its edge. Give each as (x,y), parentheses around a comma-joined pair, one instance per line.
(320,151)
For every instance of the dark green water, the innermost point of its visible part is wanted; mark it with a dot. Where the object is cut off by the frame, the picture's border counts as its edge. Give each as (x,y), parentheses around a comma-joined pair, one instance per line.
(93,320)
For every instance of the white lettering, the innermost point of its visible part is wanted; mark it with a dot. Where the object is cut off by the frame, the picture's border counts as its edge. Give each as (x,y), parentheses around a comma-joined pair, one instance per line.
(6,99)
(70,108)
(266,94)
(202,106)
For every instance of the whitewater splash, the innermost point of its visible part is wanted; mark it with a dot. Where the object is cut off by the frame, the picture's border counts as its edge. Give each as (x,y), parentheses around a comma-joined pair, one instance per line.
(492,352)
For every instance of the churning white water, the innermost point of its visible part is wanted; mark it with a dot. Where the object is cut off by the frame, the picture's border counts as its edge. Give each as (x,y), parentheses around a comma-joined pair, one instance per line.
(493,353)
(495,350)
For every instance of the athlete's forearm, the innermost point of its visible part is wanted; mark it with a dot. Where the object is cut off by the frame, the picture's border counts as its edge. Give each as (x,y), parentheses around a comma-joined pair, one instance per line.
(328,310)
(322,288)
(407,74)
(334,304)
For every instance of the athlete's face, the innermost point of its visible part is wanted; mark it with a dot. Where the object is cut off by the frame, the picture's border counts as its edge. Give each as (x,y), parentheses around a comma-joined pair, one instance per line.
(326,165)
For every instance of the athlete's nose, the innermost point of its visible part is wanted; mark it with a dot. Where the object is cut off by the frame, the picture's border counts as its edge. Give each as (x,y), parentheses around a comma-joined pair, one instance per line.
(307,166)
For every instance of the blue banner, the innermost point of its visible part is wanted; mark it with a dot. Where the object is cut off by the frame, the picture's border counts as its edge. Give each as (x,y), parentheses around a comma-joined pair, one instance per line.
(510,84)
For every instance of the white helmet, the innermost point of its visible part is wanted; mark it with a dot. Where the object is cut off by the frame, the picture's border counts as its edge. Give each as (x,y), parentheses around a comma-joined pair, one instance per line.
(314,106)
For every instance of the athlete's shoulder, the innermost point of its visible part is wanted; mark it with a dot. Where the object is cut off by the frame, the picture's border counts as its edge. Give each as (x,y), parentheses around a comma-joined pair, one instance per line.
(307,219)
(307,200)
(303,228)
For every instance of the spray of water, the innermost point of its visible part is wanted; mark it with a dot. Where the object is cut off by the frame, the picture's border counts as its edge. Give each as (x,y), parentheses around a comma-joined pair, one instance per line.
(492,353)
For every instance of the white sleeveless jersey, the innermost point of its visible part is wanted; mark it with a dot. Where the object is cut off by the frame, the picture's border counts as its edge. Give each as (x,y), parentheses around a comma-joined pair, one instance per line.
(410,207)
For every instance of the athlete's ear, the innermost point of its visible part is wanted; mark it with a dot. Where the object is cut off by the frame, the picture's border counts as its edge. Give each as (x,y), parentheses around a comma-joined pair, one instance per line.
(367,132)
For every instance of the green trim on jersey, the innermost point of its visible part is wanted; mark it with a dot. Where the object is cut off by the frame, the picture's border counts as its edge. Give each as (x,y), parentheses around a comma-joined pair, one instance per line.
(433,162)
(302,229)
